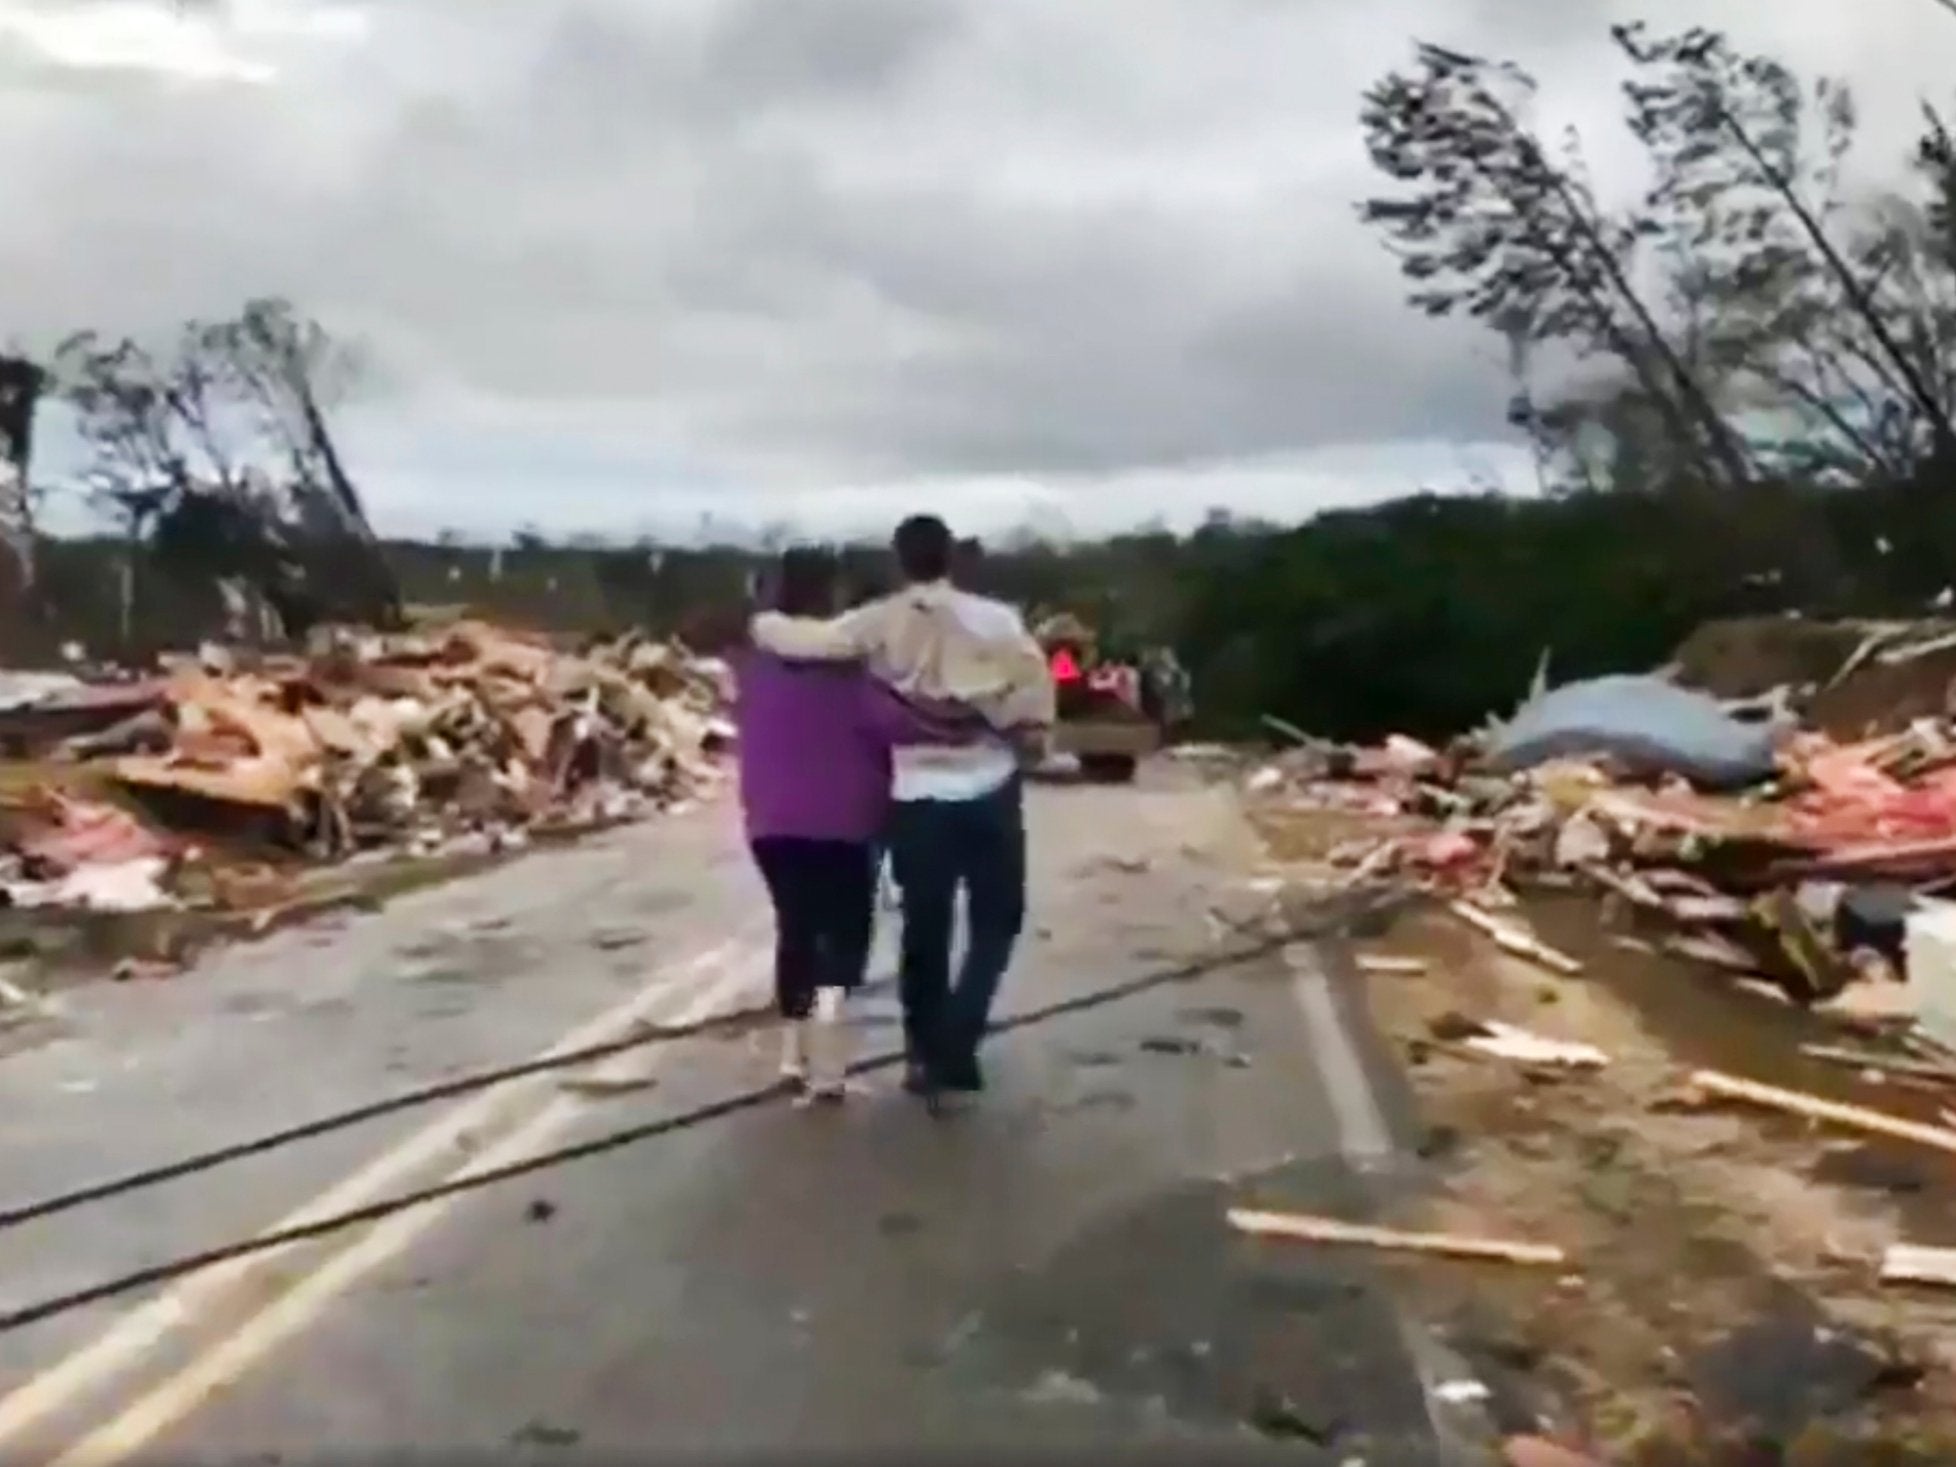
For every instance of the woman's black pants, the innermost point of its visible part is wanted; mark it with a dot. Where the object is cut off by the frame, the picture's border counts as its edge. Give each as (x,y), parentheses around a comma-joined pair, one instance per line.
(824,894)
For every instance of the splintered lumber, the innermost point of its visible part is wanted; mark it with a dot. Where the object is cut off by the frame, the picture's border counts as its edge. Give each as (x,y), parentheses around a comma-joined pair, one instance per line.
(1505,1041)
(1910,1263)
(1888,1064)
(1795,1102)
(1308,1229)
(1386,963)
(1513,939)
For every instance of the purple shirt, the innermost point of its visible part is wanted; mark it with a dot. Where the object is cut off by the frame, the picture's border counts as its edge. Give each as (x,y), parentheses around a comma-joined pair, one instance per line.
(814,742)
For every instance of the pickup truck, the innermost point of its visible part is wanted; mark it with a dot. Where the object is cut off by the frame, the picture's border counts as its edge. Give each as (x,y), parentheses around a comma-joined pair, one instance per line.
(1109,717)
(1103,728)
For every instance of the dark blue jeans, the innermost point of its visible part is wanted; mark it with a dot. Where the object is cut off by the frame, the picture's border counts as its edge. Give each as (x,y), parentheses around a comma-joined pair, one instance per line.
(937,848)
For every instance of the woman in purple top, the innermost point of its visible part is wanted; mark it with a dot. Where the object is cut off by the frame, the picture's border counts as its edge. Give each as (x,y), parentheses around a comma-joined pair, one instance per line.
(814,744)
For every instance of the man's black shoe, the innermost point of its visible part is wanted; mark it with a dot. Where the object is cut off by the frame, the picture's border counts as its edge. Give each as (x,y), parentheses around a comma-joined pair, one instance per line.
(962,1079)
(917,1079)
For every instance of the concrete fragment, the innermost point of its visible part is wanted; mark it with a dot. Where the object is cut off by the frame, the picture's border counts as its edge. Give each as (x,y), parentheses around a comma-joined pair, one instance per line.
(1929,942)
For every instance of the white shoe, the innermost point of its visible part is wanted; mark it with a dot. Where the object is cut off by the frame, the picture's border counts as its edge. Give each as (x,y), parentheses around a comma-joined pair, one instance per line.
(794,1050)
(827,1049)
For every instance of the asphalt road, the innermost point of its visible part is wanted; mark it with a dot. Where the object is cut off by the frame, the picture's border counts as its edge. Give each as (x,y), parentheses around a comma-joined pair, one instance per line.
(1049,1270)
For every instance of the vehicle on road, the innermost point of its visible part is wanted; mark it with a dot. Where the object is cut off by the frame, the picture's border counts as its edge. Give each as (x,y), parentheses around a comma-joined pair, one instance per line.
(1111,714)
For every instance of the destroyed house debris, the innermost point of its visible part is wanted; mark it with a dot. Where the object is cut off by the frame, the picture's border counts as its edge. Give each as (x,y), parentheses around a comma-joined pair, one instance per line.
(403,742)
(1734,836)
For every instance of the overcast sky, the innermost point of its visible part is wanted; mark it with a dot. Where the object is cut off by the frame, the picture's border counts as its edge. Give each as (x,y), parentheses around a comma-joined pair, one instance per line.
(626,262)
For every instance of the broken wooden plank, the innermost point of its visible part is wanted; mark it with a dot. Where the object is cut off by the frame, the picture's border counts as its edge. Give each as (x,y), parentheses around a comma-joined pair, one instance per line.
(1288,729)
(1506,1041)
(1888,1064)
(1305,1228)
(1632,889)
(1512,939)
(1895,656)
(1911,1263)
(1386,963)
(1795,1102)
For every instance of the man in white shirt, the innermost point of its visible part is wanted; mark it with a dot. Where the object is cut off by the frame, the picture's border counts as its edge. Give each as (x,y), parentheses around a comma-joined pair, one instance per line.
(958,814)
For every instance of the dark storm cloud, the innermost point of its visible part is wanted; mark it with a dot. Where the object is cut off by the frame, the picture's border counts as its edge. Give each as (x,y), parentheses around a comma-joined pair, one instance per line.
(807,239)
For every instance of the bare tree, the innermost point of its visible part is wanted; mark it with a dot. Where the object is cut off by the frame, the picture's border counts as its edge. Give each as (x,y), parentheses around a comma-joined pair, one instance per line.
(152,430)
(217,446)
(21,385)
(1820,316)
(288,370)
(1491,226)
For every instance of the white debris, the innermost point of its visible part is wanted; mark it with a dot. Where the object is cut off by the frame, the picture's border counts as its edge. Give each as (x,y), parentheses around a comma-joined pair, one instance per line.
(121,886)
(1505,1041)
(1464,1392)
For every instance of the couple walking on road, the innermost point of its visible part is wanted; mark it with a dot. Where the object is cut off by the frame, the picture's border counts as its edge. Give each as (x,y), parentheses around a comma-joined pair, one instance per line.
(900,724)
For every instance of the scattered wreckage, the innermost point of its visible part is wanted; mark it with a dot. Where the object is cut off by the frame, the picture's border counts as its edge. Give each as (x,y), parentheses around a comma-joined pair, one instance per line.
(1733,836)
(1799,837)
(417,742)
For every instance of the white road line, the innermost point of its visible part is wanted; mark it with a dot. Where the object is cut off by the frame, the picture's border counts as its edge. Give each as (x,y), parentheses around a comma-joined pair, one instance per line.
(1364,1138)
(1365,1141)
(135,1333)
(176,1397)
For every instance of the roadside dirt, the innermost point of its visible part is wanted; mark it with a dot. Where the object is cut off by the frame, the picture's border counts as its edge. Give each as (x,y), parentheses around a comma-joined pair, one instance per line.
(1721,1303)
(1749,656)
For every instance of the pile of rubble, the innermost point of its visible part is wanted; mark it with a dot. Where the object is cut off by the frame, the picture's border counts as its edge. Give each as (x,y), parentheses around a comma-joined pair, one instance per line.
(1811,875)
(461,736)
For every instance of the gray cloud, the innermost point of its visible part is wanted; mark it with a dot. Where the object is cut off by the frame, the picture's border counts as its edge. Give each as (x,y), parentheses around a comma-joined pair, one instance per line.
(808,242)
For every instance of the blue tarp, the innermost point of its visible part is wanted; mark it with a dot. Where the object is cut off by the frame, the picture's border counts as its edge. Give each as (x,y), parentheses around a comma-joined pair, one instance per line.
(1644,722)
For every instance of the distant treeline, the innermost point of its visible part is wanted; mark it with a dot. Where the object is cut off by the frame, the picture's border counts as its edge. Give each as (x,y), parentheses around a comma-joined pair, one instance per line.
(1423,615)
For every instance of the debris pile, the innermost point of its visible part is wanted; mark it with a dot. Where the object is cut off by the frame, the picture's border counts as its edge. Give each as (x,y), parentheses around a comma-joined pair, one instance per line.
(409,742)
(1773,851)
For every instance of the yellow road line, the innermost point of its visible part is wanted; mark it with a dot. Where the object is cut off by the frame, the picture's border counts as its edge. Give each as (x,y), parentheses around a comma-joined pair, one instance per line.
(264,1331)
(137,1332)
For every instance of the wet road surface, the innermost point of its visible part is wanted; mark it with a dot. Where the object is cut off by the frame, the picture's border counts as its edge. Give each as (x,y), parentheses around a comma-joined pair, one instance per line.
(1049,1269)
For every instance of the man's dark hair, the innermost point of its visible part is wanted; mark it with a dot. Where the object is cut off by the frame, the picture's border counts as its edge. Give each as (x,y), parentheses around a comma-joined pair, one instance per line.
(923,548)
(804,582)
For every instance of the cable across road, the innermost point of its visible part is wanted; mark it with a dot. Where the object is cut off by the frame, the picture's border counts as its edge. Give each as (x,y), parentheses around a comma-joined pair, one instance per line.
(160,1273)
